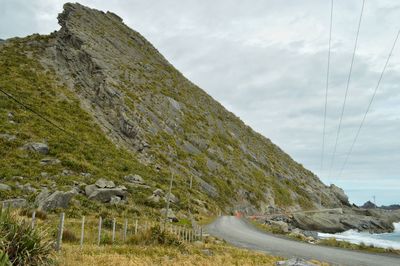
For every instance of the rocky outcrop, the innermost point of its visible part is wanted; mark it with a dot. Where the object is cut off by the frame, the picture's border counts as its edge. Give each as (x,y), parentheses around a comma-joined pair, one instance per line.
(339,193)
(106,191)
(49,201)
(334,222)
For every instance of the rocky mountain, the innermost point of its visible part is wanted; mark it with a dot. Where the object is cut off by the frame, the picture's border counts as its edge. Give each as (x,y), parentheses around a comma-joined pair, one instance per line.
(96,100)
(370,205)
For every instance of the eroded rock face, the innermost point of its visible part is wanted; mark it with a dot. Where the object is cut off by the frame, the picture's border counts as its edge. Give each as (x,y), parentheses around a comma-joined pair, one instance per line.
(339,193)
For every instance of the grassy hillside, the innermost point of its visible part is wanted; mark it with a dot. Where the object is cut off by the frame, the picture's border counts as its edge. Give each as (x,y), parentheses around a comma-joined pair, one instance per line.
(124,109)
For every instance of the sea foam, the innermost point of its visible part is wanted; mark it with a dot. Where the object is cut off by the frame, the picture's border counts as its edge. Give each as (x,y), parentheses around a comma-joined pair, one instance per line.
(385,240)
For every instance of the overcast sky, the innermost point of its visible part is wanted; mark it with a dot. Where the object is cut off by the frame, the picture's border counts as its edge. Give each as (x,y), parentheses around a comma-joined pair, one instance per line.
(266,62)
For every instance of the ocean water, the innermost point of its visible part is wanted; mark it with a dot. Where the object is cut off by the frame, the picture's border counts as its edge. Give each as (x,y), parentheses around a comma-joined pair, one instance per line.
(385,240)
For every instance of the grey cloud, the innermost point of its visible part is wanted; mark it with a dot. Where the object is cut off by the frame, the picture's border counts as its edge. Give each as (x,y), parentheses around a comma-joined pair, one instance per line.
(266,62)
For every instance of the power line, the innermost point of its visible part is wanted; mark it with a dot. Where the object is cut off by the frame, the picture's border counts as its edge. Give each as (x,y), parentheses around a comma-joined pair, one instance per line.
(347,88)
(326,87)
(36,113)
(369,105)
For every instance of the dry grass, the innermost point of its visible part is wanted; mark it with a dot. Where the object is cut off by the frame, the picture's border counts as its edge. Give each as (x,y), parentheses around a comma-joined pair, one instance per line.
(161,255)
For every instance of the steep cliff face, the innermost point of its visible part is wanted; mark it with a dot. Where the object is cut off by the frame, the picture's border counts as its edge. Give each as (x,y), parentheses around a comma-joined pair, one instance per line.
(169,125)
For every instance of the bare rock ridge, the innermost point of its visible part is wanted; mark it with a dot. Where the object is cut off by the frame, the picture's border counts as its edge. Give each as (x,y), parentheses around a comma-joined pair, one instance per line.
(146,107)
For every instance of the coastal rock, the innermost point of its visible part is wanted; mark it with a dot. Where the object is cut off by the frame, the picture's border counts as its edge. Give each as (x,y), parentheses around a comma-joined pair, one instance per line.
(295,262)
(322,222)
(339,193)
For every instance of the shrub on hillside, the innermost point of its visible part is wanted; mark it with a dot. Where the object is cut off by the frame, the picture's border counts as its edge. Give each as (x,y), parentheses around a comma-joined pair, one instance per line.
(155,236)
(22,244)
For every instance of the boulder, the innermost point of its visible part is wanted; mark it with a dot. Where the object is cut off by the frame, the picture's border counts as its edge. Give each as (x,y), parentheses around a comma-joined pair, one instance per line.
(89,189)
(170,216)
(321,222)
(115,200)
(58,199)
(136,179)
(37,147)
(103,183)
(284,227)
(105,194)
(4,187)
(295,262)
(13,203)
(339,193)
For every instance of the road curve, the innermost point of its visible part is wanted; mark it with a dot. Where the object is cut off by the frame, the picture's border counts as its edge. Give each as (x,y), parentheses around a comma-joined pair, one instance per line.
(242,234)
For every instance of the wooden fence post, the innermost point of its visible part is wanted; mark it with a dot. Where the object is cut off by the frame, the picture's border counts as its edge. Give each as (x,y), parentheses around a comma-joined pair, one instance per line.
(99,233)
(113,231)
(201,233)
(82,230)
(33,219)
(60,232)
(125,229)
(136,227)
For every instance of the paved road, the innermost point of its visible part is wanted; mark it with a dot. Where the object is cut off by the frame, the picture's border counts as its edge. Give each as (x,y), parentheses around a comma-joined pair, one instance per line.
(242,234)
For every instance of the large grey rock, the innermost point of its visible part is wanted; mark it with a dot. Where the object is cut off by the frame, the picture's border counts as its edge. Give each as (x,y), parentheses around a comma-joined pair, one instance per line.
(13,203)
(89,189)
(4,187)
(322,222)
(294,262)
(105,194)
(284,227)
(37,147)
(136,179)
(103,183)
(58,199)
(339,193)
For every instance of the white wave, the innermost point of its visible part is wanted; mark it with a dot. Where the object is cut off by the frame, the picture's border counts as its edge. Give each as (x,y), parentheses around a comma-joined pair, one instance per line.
(378,240)
(396,227)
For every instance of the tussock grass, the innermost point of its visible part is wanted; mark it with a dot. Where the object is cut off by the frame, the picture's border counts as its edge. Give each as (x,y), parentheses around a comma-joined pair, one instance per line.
(161,255)
(22,244)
